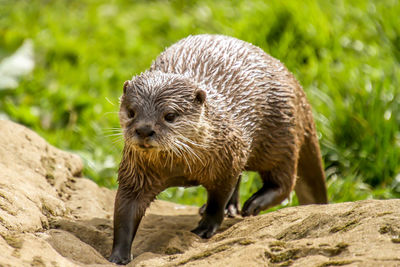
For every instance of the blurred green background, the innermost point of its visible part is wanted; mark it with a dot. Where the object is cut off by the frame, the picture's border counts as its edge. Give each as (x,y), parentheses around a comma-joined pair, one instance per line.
(346,54)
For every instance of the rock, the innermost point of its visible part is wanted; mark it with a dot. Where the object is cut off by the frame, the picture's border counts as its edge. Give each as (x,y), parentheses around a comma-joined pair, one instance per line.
(51,216)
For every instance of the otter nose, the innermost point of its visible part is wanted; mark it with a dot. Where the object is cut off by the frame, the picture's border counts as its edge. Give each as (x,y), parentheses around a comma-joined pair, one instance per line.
(144,131)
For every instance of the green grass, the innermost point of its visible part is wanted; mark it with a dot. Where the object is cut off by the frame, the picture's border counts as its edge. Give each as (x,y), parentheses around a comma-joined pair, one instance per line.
(346,55)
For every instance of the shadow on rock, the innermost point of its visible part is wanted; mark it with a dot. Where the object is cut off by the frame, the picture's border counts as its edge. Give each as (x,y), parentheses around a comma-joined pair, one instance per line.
(157,235)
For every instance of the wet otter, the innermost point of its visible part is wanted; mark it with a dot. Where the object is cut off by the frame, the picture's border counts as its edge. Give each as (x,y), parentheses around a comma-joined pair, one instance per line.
(210,107)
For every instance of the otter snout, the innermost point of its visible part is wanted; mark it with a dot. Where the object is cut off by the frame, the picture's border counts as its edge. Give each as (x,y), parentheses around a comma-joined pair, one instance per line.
(144,131)
(144,135)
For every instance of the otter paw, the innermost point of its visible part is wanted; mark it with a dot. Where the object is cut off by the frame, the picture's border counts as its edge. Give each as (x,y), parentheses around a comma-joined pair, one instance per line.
(232,210)
(119,260)
(251,207)
(206,228)
(261,200)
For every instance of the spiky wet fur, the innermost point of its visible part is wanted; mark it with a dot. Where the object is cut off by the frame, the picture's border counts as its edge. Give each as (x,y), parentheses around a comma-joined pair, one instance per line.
(255,116)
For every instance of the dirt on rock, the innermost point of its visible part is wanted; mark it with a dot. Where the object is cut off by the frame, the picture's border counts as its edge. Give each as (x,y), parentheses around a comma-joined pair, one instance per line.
(52,216)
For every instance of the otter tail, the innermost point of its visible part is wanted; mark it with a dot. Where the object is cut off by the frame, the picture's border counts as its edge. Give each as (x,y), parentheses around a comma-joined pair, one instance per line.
(310,186)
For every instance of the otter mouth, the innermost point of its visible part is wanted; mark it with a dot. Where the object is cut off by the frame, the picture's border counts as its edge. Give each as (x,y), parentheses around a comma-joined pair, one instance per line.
(145,146)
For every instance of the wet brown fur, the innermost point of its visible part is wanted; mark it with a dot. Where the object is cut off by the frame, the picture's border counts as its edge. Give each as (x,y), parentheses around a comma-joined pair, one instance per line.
(255,116)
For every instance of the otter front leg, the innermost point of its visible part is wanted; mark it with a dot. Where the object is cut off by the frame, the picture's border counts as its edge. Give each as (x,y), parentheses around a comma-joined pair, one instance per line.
(214,211)
(128,212)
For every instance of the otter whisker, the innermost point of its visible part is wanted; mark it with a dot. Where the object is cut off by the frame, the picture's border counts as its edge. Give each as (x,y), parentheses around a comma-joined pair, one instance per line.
(117,140)
(112,128)
(111,131)
(176,149)
(187,162)
(109,101)
(115,134)
(180,151)
(187,140)
(172,159)
(190,151)
(168,154)
(110,112)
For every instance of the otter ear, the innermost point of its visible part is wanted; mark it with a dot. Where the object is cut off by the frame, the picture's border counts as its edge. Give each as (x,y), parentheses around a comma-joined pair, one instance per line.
(200,96)
(126,85)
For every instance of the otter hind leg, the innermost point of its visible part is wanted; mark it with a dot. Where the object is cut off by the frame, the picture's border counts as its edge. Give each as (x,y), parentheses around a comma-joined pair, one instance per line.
(277,185)
(232,207)
(310,186)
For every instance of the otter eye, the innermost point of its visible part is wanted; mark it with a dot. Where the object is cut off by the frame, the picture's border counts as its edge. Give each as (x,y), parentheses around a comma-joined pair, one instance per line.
(131,113)
(170,117)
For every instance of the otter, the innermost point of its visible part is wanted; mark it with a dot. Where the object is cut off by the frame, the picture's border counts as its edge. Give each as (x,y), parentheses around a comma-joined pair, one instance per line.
(210,107)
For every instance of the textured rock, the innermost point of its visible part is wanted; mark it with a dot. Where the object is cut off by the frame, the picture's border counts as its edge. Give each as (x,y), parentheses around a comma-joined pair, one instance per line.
(51,216)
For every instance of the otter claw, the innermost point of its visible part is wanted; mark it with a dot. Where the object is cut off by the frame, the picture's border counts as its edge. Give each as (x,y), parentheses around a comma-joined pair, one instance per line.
(205,231)
(261,200)
(119,260)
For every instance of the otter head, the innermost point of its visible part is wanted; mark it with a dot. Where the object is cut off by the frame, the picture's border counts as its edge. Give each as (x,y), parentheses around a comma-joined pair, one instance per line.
(161,112)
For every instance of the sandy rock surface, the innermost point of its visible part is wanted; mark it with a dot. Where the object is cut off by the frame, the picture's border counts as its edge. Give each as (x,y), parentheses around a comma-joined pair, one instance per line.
(51,216)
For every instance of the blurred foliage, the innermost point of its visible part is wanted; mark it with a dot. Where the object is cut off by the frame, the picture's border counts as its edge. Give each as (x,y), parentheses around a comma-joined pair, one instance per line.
(345,53)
